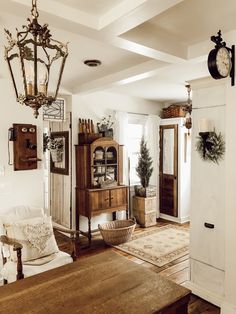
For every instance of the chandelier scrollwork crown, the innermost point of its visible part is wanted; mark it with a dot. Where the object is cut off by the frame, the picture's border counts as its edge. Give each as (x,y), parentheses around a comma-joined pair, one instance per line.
(36,62)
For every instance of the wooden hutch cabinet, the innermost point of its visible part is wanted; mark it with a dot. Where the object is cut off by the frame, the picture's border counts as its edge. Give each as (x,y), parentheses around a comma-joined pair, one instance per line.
(99,177)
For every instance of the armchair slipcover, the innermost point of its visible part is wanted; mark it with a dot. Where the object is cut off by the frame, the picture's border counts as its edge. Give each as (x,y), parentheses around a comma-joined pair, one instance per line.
(28,245)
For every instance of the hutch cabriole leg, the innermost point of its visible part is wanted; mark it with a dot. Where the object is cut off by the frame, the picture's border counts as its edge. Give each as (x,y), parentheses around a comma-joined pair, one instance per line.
(89,231)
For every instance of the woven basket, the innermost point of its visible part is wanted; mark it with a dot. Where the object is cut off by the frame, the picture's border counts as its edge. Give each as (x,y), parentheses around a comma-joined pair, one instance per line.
(117,231)
(174,111)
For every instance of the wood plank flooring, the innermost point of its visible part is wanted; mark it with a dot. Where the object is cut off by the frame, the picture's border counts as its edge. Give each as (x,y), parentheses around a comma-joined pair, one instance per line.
(177,271)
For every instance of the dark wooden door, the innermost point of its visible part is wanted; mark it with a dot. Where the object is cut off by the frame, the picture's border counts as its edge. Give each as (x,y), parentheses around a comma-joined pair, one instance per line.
(169,170)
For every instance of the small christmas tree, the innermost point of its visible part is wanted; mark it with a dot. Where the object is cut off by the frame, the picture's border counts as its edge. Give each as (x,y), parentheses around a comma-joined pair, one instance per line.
(144,169)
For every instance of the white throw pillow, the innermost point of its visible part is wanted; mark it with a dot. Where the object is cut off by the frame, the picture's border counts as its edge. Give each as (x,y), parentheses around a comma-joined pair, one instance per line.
(35,235)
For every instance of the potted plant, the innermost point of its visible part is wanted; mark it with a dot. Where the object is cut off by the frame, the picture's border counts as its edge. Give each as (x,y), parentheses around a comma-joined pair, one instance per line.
(56,148)
(105,126)
(144,201)
(144,171)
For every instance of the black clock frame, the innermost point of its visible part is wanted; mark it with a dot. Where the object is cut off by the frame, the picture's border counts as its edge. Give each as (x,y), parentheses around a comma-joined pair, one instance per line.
(212,58)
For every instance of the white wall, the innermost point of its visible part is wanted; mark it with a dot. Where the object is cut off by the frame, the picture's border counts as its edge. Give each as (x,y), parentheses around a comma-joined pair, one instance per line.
(95,106)
(214,199)
(229,306)
(208,181)
(207,246)
(17,187)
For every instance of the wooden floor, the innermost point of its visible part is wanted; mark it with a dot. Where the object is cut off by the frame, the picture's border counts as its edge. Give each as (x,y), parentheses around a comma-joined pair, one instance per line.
(177,271)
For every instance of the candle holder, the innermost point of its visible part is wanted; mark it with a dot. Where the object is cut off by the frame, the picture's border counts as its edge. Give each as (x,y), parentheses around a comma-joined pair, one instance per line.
(210,145)
(207,145)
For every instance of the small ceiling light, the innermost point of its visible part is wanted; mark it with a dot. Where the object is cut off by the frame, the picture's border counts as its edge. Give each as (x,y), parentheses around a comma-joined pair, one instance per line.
(92,62)
(31,58)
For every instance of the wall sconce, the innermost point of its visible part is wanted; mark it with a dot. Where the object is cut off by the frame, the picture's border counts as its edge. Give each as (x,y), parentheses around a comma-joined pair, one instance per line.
(206,128)
(188,109)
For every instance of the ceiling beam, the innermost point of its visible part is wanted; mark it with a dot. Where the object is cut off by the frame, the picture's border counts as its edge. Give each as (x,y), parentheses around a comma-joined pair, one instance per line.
(144,71)
(120,10)
(78,22)
(146,51)
(136,13)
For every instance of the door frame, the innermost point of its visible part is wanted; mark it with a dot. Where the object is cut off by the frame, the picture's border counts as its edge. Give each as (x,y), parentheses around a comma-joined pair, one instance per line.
(169,176)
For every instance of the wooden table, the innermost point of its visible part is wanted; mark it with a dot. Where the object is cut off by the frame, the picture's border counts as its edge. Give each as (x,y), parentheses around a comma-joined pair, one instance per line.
(103,283)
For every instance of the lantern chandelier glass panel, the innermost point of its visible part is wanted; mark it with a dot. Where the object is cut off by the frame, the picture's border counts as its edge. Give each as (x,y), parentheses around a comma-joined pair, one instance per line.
(36,63)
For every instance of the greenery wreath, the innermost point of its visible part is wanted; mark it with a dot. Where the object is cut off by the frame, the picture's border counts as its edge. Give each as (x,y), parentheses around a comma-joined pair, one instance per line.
(214,147)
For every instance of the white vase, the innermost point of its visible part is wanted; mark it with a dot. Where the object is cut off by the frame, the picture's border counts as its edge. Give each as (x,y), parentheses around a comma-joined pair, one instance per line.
(57,155)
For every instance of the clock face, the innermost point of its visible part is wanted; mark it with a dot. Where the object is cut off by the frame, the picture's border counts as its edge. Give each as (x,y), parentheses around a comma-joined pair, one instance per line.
(223,62)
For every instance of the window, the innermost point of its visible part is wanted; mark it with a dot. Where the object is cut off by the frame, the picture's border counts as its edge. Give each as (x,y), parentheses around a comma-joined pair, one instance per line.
(135,132)
(56,111)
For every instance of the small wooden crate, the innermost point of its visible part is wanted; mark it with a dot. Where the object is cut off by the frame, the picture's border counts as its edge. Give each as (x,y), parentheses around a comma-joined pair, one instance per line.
(144,210)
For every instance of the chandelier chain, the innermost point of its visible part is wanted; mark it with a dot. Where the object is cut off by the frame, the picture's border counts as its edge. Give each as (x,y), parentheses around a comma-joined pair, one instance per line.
(188,90)
(34,10)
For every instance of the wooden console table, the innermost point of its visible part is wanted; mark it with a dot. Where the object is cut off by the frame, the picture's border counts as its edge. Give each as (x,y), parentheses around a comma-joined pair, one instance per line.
(102,283)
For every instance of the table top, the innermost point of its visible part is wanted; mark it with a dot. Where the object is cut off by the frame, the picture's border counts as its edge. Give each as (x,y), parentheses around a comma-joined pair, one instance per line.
(102,283)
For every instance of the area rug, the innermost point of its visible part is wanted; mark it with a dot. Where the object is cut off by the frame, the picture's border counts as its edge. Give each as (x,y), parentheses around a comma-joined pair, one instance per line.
(159,246)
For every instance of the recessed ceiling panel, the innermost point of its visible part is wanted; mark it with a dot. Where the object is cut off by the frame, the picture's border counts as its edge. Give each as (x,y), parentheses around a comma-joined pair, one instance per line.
(191,21)
(94,7)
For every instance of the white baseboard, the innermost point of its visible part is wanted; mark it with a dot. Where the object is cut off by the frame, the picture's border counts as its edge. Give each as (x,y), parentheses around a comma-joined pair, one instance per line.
(228,308)
(175,219)
(205,294)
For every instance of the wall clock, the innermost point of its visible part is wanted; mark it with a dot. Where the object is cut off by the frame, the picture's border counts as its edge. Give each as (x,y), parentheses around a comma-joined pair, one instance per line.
(221,59)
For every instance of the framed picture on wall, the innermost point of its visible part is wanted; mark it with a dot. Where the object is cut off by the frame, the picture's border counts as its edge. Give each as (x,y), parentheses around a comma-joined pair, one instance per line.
(59,152)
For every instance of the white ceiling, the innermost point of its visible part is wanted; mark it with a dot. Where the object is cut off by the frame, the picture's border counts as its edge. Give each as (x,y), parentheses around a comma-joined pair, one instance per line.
(148,48)
(194,21)
(95,7)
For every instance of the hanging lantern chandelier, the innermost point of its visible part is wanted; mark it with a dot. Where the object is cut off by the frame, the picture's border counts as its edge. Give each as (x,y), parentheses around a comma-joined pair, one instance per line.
(36,63)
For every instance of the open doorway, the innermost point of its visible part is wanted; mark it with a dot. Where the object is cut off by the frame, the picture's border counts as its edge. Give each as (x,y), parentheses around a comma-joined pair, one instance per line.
(175,170)
(58,174)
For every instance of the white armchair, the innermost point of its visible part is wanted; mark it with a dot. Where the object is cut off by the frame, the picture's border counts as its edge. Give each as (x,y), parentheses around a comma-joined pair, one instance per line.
(28,245)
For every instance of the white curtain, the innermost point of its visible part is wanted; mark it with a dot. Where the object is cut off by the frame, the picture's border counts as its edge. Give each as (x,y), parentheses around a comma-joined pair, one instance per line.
(120,135)
(120,131)
(151,135)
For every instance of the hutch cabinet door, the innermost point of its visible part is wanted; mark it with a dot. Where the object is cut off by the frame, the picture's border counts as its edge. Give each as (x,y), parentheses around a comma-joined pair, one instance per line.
(118,197)
(99,200)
